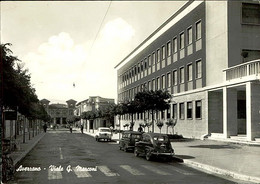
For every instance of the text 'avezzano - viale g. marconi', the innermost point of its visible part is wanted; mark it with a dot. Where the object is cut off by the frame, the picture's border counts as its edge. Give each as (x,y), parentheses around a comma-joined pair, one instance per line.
(54,168)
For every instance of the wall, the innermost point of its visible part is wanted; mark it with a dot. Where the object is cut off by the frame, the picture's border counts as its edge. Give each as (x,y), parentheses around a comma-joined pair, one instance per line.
(216,41)
(215,121)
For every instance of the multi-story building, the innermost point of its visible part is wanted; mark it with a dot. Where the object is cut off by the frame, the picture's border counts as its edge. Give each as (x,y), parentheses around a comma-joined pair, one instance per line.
(94,103)
(59,112)
(207,55)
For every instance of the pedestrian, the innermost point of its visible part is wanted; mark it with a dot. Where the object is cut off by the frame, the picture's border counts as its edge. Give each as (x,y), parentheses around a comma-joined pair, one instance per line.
(140,129)
(45,127)
(81,128)
(70,128)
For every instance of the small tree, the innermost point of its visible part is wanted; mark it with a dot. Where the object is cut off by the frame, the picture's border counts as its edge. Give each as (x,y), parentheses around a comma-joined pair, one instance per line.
(159,124)
(148,125)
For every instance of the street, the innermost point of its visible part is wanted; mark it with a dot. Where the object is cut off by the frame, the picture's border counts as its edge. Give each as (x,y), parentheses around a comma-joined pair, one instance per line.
(63,157)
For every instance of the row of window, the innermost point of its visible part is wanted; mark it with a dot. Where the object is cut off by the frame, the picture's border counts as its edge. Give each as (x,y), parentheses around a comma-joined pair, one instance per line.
(173,112)
(166,81)
(161,57)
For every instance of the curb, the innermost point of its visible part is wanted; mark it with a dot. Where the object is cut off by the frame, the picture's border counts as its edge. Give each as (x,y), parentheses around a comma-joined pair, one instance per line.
(23,154)
(216,170)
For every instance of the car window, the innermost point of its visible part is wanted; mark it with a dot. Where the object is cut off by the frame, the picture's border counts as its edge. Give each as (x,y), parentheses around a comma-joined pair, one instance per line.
(104,130)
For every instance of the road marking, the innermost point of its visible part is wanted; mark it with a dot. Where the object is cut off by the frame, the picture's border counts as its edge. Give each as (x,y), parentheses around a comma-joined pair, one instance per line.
(107,171)
(157,171)
(54,175)
(81,174)
(131,170)
(61,156)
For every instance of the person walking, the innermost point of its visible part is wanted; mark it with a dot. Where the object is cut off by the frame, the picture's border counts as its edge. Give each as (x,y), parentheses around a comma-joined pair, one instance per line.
(70,128)
(45,127)
(140,129)
(81,128)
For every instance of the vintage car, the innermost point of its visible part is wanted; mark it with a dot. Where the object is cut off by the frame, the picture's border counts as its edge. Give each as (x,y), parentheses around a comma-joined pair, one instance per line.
(154,145)
(127,142)
(103,133)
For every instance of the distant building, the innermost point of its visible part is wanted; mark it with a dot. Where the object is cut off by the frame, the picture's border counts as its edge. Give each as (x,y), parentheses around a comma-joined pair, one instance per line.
(59,112)
(94,103)
(207,55)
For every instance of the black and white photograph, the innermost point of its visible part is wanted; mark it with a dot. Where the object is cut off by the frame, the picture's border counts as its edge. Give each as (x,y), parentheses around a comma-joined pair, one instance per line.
(130,92)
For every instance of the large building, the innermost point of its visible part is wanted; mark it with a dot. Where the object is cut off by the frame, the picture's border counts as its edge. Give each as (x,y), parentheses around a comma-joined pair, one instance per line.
(207,55)
(59,113)
(94,103)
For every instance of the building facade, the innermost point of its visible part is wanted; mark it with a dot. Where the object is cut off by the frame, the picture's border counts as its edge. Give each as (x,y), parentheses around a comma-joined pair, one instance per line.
(94,103)
(59,112)
(207,55)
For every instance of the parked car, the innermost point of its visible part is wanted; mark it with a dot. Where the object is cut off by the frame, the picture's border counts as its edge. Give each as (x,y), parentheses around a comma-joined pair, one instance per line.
(127,142)
(154,145)
(103,133)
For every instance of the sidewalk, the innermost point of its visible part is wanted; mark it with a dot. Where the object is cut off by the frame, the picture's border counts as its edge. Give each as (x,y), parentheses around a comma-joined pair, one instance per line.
(239,161)
(236,160)
(24,148)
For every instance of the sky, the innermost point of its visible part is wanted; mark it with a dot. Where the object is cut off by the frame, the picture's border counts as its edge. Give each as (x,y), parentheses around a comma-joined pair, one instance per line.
(71,47)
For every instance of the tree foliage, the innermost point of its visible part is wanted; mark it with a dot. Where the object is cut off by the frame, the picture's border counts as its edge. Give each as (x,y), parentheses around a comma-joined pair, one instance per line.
(16,88)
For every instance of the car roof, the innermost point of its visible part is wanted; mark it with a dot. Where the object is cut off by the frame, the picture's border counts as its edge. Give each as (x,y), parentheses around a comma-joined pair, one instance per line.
(103,128)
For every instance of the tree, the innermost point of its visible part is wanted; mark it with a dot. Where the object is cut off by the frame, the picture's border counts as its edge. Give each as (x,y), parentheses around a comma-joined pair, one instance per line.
(153,101)
(159,124)
(171,123)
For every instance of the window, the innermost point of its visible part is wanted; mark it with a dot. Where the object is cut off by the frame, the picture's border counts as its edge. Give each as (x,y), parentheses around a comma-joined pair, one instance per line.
(168,80)
(182,75)
(158,55)
(189,110)
(174,111)
(142,66)
(153,58)
(189,35)
(250,13)
(153,84)
(149,85)
(175,81)
(138,68)
(181,111)
(189,68)
(163,82)
(145,64)
(181,40)
(198,109)
(249,55)
(168,48)
(174,44)
(168,113)
(198,30)
(163,52)
(162,114)
(158,83)
(198,70)
(149,60)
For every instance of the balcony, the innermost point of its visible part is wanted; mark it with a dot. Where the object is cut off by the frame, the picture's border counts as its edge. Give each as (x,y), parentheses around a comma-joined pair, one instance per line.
(246,71)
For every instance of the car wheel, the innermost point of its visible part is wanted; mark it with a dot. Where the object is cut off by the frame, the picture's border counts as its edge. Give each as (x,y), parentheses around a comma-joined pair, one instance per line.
(136,153)
(148,156)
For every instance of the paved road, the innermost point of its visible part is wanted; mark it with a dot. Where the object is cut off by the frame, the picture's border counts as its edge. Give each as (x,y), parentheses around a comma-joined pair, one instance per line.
(63,157)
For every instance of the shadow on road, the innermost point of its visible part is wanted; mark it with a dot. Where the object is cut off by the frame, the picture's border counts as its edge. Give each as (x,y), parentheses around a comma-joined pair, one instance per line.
(216,146)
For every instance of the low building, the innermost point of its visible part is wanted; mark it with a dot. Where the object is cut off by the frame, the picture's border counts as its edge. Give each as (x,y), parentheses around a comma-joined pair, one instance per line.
(59,112)
(94,103)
